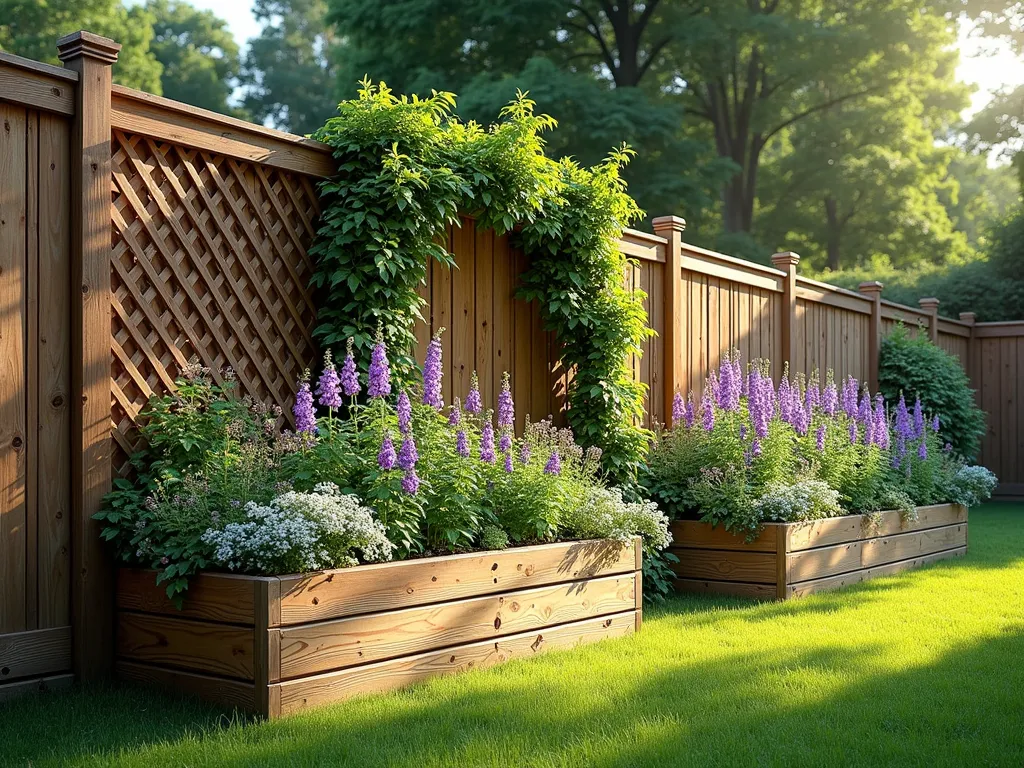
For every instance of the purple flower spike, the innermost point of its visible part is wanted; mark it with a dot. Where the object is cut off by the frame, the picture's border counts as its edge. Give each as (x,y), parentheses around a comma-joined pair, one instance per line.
(688,413)
(819,438)
(303,410)
(554,465)
(455,414)
(407,455)
(830,399)
(386,457)
(922,450)
(881,430)
(850,397)
(404,413)
(947,448)
(678,408)
(328,388)
(473,403)
(487,442)
(524,453)
(755,447)
(508,463)
(743,431)
(904,429)
(462,444)
(349,374)
(410,482)
(380,370)
(918,419)
(432,373)
(853,432)
(935,424)
(785,400)
(866,418)
(707,411)
(505,442)
(506,406)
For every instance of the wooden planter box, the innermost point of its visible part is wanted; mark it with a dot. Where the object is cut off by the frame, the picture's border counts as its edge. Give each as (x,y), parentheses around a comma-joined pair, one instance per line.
(277,645)
(794,559)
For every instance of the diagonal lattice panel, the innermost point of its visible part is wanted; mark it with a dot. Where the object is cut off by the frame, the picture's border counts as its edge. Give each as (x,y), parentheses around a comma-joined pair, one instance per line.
(208,259)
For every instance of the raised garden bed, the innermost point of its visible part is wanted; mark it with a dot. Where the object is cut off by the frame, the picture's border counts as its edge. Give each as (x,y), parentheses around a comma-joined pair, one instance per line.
(794,559)
(277,645)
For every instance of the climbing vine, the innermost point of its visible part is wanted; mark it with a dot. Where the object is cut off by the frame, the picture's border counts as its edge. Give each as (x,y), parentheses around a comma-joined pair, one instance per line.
(407,168)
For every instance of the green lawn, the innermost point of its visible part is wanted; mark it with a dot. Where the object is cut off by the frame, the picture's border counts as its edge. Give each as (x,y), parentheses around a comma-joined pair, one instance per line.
(923,668)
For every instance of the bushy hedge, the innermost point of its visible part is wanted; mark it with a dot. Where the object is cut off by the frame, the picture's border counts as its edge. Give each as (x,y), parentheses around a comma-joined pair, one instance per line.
(916,368)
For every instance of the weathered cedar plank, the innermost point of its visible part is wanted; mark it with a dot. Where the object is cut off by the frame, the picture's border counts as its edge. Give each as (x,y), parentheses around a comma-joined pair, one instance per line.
(838,530)
(385,586)
(693,533)
(740,589)
(725,565)
(35,653)
(388,675)
(855,577)
(227,693)
(212,596)
(36,90)
(463,326)
(313,648)
(199,646)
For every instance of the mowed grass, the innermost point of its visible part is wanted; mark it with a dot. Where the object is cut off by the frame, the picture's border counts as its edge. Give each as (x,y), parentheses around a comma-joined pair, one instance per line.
(924,668)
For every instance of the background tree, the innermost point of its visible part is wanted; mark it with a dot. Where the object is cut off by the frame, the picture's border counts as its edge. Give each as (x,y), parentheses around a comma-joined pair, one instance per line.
(30,28)
(199,55)
(288,74)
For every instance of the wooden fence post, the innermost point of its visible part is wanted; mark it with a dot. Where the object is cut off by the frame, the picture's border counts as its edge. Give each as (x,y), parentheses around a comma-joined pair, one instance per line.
(671,228)
(91,56)
(787,262)
(931,306)
(873,290)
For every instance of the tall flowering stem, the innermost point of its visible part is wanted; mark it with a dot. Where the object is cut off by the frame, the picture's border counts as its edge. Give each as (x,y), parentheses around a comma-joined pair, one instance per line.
(506,406)
(349,374)
(487,441)
(473,403)
(304,411)
(404,410)
(432,373)
(380,371)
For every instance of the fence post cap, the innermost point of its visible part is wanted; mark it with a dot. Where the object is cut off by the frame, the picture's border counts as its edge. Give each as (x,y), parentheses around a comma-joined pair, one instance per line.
(929,303)
(785,259)
(968,317)
(87,44)
(870,286)
(669,223)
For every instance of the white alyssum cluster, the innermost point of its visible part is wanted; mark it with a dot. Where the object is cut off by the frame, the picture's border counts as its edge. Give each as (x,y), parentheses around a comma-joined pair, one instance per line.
(299,532)
(972,485)
(606,515)
(802,500)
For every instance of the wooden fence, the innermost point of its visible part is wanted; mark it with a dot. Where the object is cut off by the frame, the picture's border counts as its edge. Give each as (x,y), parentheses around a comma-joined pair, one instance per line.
(136,232)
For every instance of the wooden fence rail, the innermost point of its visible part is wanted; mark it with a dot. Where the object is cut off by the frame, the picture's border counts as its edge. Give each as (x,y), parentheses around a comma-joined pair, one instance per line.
(136,232)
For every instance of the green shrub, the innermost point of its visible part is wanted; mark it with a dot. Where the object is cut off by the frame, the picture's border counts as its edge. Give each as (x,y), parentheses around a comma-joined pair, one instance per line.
(916,368)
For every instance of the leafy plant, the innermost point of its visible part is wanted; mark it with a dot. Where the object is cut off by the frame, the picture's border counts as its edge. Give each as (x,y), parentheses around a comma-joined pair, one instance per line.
(916,368)
(407,168)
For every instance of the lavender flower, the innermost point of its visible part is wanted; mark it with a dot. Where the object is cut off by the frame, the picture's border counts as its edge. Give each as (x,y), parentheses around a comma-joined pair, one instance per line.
(819,438)
(813,395)
(554,465)
(349,375)
(881,430)
(328,388)
(707,408)
(487,441)
(922,450)
(410,482)
(455,414)
(432,373)
(830,399)
(918,419)
(849,399)
(524,453)
(689,412)
(508,463)
(785,400)
(404,413)
(462,444)
(678,408)
(473,404)
(380,372)
(801,419)
(853,432)
(505,442)
(904,429)
(303,410)
(407,455)
(728,389)
(386,457)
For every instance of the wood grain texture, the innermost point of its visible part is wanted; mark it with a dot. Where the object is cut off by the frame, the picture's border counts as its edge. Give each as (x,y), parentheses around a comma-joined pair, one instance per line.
(218,597)
(313,648)
(232,694)
(36,90)
(695,534)
(388,675)
(35,653)
(843,580)
(736,588)
(387,586)
(836,530)
(198,646)
(20,688)
(725,565)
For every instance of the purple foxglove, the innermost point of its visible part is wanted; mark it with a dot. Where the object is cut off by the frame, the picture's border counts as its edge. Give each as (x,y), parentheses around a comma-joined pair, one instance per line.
(328,388)
(830,399)
(303,410)
(410,482)
(904,429)
(505,442)
(508,463)
(688,413)
(407,455)
(506,406)
(554,465)
(404,413)
(819,438)
(812,395)
(349,374)
(707,411)
(881,428)
(455,414)
(853,432)
(785,400)
(678,408)
(473,403)
(850,390)
(918,419)
(380,371)
(922,450)
(723,393)
(432,373)
(386,456)
(487,442)
(462,444)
